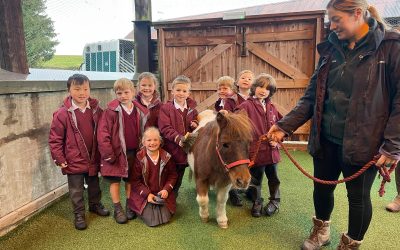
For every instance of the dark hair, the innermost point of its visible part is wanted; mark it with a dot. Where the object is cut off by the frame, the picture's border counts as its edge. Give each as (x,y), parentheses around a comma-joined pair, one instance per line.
(264,80)
(77,79)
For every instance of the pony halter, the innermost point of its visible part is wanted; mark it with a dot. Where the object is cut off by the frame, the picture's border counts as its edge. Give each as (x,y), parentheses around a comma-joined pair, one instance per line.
(230,165)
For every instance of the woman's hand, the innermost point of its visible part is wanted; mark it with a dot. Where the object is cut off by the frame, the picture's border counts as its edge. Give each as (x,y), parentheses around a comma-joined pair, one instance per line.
(275,134)
(163,193)
(150,198)
(386,161)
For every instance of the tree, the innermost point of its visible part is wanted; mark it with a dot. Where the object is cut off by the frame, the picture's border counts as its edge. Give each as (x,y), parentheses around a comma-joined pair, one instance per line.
(39,32)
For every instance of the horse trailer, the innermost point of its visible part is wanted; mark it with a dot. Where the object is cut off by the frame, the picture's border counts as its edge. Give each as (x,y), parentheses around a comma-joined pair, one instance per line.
(110,56)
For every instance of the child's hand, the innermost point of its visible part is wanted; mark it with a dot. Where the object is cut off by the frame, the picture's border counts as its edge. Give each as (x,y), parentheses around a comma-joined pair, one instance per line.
(193,124)
(163,193)
(150,198)
(63,165)
(273,144)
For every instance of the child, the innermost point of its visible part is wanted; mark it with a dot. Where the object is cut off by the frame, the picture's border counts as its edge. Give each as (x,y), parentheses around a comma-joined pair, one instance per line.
(148,98)
(73,147)
(119,137)
(178,117)
(263,115)
(227,97)
(154,177)
(245,78)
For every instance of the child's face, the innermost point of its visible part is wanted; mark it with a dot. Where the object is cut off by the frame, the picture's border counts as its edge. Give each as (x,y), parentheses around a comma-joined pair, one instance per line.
(125,96)
(151,141)
(80,93)
(224,91)
(180,92)
(245,80)
(261,93)
(147,87)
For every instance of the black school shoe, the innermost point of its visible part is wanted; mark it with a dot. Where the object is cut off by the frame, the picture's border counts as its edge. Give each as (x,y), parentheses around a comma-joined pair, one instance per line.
(99,209)
(257,208)
(130,215)
(119,214)
(234,198)
(80,222)
(271,208)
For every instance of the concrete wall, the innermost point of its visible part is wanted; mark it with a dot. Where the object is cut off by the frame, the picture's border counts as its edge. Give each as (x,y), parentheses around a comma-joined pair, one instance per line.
(29,179)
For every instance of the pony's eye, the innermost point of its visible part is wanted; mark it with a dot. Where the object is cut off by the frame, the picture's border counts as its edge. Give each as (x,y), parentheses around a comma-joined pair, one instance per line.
(225,145)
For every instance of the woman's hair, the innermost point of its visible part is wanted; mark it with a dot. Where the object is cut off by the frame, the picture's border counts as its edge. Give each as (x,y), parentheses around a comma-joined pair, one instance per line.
(149,130)
(150,76)
(181,79)
(123,83)
(350,6)
(264,81)
(226,81)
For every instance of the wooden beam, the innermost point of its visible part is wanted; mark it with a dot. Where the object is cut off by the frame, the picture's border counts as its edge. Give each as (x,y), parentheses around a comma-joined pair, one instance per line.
(162,63)
(318,37)
(280,36)
(285,68)
(208,57)
(12,39)
(210,101)
(198,41)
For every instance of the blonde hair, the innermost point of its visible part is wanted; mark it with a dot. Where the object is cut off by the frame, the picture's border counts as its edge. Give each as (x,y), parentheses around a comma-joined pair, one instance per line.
(150,76)
(226,81)
(350,6)
(264,81)
(150,130)
(123,83)
(181,79)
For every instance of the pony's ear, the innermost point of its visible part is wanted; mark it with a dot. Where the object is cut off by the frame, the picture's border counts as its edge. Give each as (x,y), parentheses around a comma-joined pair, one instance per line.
(221,120)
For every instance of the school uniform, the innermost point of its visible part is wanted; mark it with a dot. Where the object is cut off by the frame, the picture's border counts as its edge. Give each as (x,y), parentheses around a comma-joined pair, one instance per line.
(228,104)
(150,111)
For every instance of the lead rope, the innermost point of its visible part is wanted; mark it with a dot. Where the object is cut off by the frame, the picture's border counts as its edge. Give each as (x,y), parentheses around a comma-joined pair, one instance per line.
(383,171)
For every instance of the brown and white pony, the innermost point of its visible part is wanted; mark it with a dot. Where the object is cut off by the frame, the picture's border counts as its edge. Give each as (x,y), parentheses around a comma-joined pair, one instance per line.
(219,158)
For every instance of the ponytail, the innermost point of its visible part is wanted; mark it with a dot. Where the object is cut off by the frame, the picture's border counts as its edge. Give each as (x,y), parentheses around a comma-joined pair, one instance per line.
(375,14)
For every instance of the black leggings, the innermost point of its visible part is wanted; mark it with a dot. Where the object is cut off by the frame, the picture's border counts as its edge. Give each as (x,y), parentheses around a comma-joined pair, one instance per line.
(271,171)
(358,190)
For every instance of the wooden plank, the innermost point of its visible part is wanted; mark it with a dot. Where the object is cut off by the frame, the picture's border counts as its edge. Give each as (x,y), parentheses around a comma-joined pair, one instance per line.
(210,101)
(162,63)
(198,41)
(292,84)
(208,57)
(280,36)
(13,219)
(318,37)
(276,62)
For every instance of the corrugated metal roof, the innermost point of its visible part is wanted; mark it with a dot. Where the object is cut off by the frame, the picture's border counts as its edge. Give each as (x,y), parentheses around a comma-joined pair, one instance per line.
(387,8)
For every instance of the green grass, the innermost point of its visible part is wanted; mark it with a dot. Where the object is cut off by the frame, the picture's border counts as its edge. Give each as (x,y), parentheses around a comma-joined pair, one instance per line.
(63,62)
(53,229)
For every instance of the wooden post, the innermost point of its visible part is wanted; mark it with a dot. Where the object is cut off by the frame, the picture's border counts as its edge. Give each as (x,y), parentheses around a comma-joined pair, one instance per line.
(12,41)
(142,35)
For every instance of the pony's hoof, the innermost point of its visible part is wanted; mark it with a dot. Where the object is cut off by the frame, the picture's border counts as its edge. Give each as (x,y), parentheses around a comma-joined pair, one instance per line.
(204,220)
(223,225)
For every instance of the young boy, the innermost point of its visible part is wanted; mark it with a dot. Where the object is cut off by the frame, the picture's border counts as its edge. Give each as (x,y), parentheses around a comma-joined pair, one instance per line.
(119,136)
(73,147)
(228,99)
(177,117)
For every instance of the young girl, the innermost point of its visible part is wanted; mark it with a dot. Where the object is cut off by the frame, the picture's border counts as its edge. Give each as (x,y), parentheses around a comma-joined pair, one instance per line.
(149,99)
(263,115)
(226,92)
(245,78)
(154,177)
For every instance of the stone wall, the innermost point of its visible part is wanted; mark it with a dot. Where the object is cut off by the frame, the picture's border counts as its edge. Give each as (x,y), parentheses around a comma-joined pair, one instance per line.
(28,176)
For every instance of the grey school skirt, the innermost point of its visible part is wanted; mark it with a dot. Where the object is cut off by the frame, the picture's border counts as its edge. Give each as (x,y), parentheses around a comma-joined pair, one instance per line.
(154,215)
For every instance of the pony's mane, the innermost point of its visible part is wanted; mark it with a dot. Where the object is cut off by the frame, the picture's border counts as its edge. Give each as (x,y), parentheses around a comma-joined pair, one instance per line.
(238,126)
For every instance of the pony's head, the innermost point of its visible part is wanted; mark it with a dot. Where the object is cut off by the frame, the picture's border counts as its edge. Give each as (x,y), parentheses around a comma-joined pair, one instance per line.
(234,136)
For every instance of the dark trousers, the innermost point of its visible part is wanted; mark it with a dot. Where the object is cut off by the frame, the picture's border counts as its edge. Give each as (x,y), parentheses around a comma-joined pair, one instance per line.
(76,188)
(180,170)
(358,190)
(271,172)
(397,174)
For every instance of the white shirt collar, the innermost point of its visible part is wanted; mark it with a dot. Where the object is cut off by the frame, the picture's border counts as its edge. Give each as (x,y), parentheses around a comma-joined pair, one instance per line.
(156,160)
(127,110)
(221,104)
(74,106)
(177,106)
(244,96)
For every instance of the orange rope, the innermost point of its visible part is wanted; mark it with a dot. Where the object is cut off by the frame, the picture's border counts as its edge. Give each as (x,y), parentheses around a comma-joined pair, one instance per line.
(382,170)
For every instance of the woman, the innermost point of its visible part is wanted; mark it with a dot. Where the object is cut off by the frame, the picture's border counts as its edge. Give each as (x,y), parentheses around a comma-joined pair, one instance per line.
(354,104)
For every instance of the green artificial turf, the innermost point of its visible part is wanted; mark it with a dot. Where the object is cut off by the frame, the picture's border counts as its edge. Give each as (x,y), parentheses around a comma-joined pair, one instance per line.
(71,62)
(53,228)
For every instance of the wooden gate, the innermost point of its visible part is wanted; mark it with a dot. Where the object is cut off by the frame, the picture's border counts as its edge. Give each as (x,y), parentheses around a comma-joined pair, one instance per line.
(281,45)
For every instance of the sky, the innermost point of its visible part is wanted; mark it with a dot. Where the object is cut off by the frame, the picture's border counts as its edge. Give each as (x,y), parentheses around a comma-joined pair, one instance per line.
(78,22)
